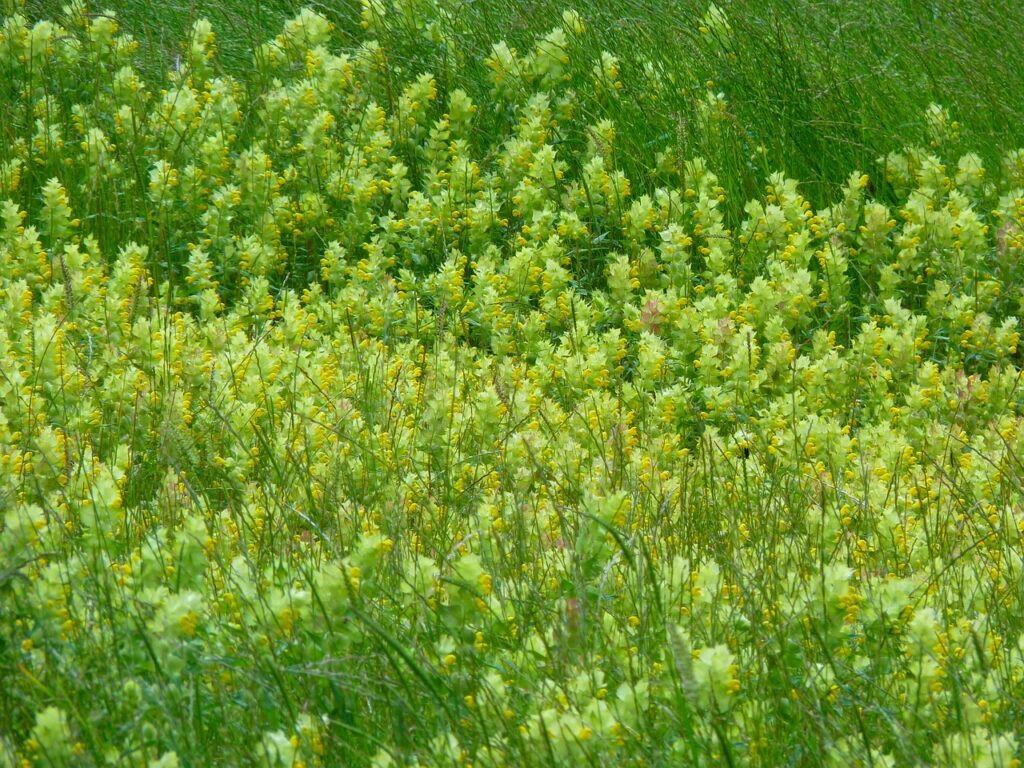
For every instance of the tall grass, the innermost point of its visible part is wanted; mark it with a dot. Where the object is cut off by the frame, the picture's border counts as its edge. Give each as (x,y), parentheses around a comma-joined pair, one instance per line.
(814,88)
(364,401)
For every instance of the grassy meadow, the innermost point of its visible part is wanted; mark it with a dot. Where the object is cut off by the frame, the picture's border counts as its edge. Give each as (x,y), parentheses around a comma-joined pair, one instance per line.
(448,383)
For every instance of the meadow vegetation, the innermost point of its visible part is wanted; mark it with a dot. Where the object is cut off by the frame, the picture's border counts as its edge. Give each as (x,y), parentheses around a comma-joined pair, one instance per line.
(411,387)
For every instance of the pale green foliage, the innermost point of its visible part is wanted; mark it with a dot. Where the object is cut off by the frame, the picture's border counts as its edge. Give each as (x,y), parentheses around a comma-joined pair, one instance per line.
(335,432)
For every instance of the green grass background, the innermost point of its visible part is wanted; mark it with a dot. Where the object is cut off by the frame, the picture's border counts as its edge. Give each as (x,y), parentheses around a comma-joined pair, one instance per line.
(826,86)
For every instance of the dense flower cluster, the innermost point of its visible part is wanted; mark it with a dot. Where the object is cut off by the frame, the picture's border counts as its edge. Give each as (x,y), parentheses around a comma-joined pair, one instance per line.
(335,432)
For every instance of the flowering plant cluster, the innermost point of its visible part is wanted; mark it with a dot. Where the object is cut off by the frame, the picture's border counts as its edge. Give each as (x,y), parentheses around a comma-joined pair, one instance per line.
(335,431)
